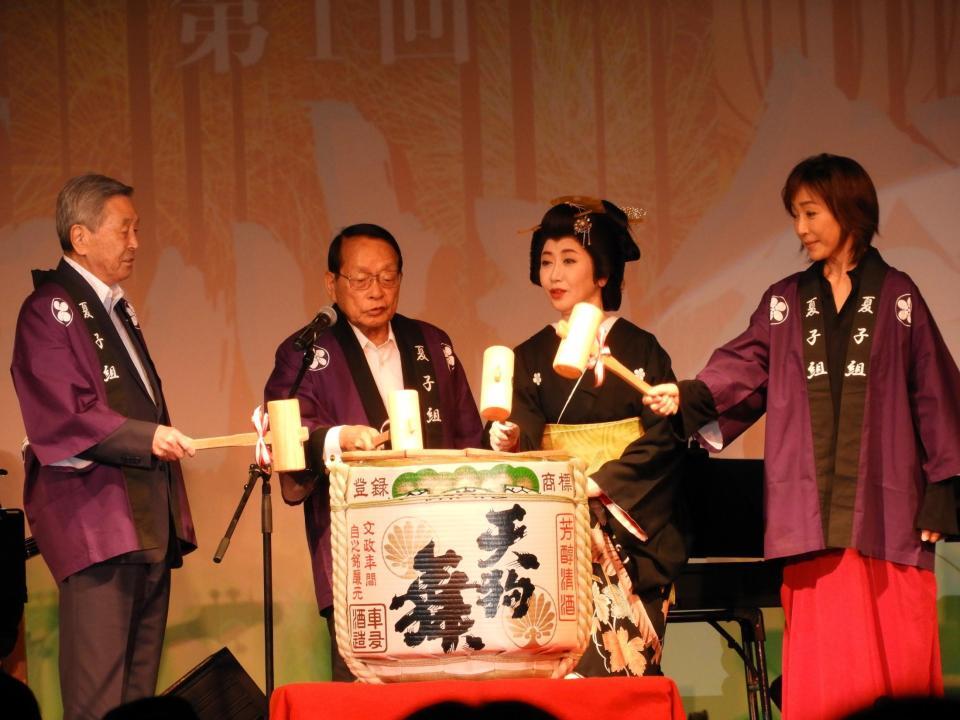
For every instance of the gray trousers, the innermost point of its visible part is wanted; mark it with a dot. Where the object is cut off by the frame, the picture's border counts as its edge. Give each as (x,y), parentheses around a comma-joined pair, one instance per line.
(112,620)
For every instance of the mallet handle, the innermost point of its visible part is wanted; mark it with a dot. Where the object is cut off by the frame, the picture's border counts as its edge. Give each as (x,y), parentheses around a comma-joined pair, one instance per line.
(621,371)
(239,440)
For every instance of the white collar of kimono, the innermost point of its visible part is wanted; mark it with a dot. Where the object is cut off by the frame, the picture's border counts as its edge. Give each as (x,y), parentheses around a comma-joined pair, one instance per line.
(109,295)
(365,341)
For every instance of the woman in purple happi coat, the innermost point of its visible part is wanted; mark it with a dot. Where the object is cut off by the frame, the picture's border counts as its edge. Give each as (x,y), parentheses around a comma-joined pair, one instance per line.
(862,449)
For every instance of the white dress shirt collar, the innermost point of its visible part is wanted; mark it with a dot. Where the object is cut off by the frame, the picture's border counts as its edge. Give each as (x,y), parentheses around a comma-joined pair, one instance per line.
(109,295)
(366,342)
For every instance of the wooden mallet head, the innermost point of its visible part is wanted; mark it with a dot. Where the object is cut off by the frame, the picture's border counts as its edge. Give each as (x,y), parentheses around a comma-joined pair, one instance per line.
(579,340)
(286,441)
(580,343)
(406,431)
(496,386)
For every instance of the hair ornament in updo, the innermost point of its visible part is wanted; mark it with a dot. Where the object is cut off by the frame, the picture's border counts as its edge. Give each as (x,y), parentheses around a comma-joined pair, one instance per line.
(585,205)
(634,214)
(581,226)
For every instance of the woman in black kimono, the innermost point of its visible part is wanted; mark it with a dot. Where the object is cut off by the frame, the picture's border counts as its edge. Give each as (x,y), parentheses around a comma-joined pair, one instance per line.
(577,254)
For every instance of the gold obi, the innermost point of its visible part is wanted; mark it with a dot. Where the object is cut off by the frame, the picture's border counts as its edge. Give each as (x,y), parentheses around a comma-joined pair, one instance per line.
(593,443)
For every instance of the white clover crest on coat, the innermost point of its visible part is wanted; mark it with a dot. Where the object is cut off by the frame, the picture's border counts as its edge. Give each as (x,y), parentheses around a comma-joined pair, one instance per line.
(905,309)
(61,311)
(778,309)
(321,358)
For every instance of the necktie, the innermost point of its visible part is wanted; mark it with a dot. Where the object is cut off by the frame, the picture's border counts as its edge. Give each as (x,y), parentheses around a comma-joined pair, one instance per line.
(137,349)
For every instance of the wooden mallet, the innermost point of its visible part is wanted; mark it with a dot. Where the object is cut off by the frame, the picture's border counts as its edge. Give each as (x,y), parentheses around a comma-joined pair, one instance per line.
(496,385)
(579,344)
(285,437)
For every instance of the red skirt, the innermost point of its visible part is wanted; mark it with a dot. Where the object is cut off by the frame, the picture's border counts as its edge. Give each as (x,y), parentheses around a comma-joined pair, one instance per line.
(856,628)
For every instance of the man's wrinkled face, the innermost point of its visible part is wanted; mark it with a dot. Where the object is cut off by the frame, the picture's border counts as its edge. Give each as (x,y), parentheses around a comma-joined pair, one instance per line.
(109,251)
(363,259)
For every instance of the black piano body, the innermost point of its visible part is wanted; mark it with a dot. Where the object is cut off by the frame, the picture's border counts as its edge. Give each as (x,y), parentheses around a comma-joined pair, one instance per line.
(726,578)
(724,515)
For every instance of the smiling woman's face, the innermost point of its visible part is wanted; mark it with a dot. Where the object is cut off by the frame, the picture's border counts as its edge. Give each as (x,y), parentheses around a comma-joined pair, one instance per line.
(566,274)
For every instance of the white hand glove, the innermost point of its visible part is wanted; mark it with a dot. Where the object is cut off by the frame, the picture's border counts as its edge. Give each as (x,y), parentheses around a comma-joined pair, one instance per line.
(504,436)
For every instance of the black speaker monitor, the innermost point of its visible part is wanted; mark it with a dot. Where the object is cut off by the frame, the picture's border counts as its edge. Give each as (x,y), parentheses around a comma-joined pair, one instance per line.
(220,689)
(13,577)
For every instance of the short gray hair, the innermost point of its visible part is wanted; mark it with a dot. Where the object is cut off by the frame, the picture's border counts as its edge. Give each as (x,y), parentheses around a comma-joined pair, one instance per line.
(81,202)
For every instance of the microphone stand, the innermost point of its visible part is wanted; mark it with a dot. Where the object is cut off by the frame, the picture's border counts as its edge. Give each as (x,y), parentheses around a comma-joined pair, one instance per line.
(255,472)
(304,342)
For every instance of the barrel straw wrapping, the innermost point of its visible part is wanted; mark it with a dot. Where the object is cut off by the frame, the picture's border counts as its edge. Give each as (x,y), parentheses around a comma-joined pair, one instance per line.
(460,564)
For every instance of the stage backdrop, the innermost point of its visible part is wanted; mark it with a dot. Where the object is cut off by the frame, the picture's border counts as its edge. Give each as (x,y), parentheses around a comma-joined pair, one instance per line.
(253,131)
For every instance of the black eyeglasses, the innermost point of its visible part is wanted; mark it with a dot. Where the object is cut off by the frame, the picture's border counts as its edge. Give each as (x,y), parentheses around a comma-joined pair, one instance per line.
(387,279)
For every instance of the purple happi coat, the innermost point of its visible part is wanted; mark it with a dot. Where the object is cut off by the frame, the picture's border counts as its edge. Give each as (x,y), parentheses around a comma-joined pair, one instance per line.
(338,389)
(910,433)
(114,505)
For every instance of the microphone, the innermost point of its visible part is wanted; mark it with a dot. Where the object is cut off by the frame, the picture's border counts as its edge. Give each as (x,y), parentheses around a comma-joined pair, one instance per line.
(324,319)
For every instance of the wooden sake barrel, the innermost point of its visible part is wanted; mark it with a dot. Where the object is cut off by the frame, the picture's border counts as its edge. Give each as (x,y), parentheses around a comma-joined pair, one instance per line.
(463,564)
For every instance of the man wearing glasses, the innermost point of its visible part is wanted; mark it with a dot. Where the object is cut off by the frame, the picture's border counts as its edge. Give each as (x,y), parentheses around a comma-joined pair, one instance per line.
(368,352)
